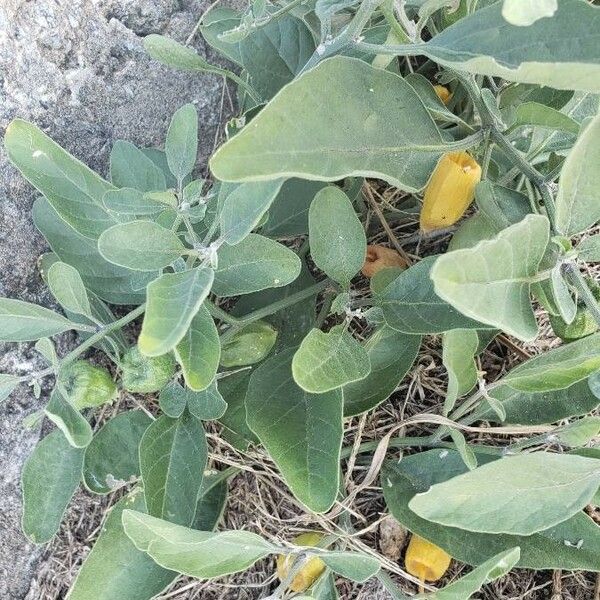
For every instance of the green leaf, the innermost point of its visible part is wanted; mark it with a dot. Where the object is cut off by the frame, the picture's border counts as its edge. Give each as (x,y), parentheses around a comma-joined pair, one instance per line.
(351,565)
(527,408)
(7,385)
(326,361)
(491,282)
(181,144)
(218,20)
(233,387)
(533,113)
(486,44)
(111,459)
(199,351)
(140,245)
(373,124)
(172,53)
(578,198)
(410,304)
(466,453)
(244,208)
(115,568)
(391,355)
(249,345)
(211,502)
(254,264)
(173,457)
(501,206)
(69,420)
(556,548)
(199,554)
(25,322)
(459,350)
(205,405)
(131,168)
(520,495)
(302,432)
(109,282)
(338,243)
(493,568)
(579,433)
(72,189)
(274,54)
(129,202)
(527,12)
(288,215)
(68,288)
(558,368)
(172,302)
(589,249)
(50,477)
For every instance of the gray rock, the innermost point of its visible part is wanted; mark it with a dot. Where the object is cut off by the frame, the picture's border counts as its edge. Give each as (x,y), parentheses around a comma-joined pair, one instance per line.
(78,70)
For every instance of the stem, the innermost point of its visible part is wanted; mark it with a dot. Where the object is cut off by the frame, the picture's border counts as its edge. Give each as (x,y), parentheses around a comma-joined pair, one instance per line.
(347,36)
(399,32)
(91,341)
(585,293)
(397,50)
(523,165)
(244,85)
(265,311)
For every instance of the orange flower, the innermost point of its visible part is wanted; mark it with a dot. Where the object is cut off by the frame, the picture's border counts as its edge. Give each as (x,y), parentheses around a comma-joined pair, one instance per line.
(450,190)
(380,257)
(444,94)
(425,560)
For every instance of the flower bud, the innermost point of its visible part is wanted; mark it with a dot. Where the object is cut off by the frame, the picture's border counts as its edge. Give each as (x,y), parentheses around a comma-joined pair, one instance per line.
(379,257)
(443,93)
(581,326)
(312,568)
(87,385)
(146,374)
(425,560)
(450,190)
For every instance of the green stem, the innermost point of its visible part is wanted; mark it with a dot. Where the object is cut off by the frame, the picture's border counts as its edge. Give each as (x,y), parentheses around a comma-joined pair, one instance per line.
(347,37)
(91,341)
(265,311)
(585,293)
(388,13)
(244,85)
(396,50)
(525,167)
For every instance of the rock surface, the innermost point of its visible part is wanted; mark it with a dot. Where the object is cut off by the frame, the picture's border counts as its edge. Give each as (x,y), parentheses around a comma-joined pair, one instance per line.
(77,69)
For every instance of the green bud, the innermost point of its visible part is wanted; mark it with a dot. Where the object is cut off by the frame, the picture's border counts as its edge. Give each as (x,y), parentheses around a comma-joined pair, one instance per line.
(146,374)
(249,345)
(87,385)
(582,325)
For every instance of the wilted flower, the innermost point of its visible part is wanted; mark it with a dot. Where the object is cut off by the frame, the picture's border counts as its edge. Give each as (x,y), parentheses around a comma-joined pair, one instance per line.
(444,94)
(379,257)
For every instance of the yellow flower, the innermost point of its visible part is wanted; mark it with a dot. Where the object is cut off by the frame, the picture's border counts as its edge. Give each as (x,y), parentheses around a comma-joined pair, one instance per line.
(450,190)
(425,560)
(444,94)
(311,570)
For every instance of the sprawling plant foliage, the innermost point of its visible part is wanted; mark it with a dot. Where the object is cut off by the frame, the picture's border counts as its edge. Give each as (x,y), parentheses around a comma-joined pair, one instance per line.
(492,101)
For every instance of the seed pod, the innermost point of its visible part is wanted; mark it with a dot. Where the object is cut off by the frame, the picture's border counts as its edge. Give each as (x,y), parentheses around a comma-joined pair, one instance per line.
(443,93)
(312,568)
(144,374)
(425,560)
(581,326)
(450,190)
(379,257)
(87,385)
